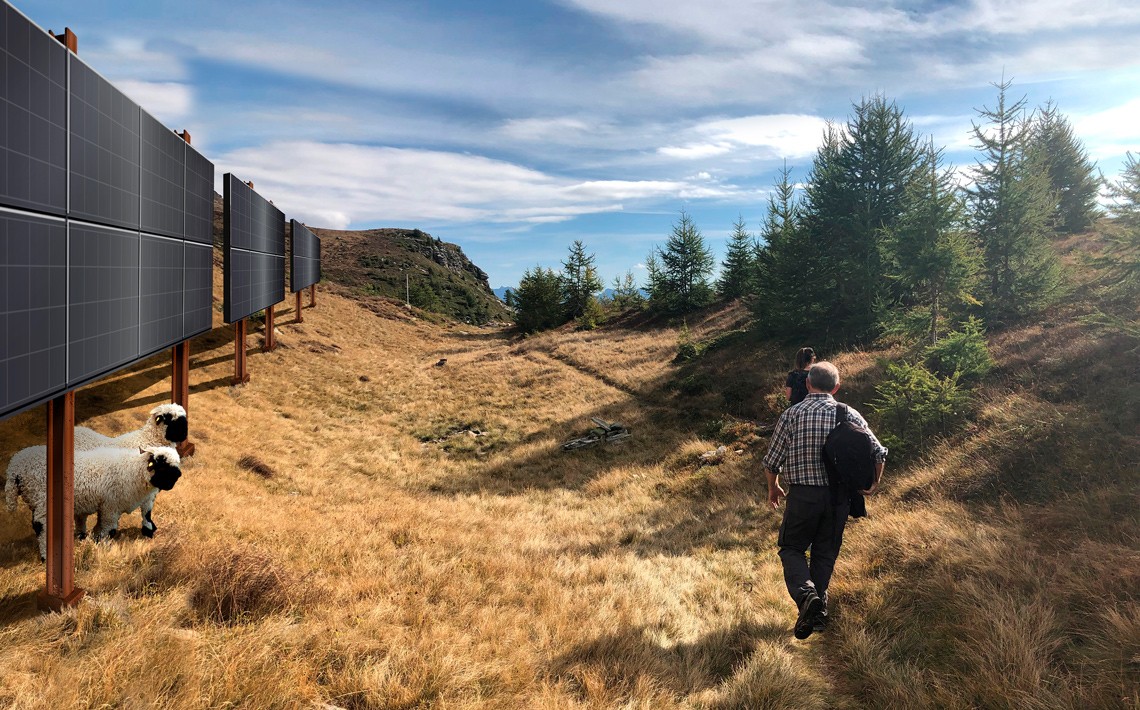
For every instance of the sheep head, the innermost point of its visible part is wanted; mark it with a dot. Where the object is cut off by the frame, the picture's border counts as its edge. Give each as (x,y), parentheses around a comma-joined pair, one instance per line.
(170,419)
(162,466)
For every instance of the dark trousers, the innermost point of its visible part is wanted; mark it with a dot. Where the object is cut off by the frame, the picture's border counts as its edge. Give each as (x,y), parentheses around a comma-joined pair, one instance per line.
(810,522)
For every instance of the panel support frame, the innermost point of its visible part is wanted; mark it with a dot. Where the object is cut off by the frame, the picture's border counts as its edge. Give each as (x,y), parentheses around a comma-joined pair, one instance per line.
(270,343)
(59,588)
(241,368)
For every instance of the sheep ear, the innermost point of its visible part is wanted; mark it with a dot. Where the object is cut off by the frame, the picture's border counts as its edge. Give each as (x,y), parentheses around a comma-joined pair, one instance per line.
(142,450)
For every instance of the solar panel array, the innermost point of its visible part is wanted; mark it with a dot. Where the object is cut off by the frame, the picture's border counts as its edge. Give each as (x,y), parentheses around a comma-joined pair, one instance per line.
(253,254)
(106,221)
(305,258)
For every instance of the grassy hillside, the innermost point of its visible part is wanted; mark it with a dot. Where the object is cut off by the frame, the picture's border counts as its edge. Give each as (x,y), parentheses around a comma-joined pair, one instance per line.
(363,529)
(440,278)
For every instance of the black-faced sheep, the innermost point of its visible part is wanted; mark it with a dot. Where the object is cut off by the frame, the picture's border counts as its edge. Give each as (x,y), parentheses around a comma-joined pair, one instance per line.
(166,426)
(108,482)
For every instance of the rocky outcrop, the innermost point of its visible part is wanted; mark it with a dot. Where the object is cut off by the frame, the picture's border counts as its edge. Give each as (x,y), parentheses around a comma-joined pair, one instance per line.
(449,256)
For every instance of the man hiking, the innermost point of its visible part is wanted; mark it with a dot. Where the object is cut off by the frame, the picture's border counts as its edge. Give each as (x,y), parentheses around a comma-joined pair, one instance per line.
(814,516)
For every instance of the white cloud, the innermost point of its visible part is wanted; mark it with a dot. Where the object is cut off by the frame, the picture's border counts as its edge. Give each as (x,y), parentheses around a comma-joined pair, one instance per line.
(169,102)
(764,137)
(335,185)
(122,57)
(563,129)
(1112,132)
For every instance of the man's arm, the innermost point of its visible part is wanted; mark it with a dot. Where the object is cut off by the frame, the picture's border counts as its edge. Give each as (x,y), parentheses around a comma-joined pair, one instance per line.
(774,459)
(774,490)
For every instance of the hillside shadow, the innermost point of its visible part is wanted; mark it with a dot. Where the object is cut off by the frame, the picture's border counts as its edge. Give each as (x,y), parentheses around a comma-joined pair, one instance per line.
(696,506)
(15,608)
(630,658)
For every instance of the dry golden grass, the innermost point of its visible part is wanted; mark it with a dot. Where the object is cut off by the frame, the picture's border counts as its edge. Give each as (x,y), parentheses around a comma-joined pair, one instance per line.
(363,529)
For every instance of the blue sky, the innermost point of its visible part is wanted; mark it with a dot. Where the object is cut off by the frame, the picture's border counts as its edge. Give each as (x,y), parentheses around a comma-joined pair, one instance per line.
(513,128)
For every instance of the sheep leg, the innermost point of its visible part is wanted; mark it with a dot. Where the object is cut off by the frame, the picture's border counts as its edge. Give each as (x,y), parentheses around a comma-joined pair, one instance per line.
(39,527)
(106,526)
(147,507)
(80,527)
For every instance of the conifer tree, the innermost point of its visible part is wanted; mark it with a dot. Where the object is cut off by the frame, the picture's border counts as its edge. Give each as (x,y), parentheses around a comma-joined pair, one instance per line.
(686,264)
(655,281)
(856,193)
(1011,204)
(1120,262)
(936,260)
(626,293)
(1072,175)
(737,276)
(538,300)
(579,281)
(786,264)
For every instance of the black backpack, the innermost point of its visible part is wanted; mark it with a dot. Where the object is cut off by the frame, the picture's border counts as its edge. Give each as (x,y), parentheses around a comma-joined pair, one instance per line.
(848,456)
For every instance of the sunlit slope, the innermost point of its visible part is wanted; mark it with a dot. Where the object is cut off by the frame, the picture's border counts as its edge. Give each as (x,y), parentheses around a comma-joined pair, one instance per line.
(364,528)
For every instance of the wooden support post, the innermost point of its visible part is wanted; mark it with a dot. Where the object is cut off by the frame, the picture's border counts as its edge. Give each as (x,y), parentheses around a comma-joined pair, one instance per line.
(60,590)
(180,369)
(67,39)
(313,296)
(180,387)
(270,340)
(241,372)
(300,318)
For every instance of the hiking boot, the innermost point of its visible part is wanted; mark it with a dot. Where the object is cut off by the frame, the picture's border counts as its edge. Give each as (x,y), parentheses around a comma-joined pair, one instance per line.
(820,622)
(810,606)
(821,619)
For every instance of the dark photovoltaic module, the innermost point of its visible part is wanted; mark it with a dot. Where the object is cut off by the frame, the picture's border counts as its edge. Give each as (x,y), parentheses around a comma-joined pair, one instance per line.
(105,148)
(253,252)
(305,258)
(106,252)
(33,309)
(33,148)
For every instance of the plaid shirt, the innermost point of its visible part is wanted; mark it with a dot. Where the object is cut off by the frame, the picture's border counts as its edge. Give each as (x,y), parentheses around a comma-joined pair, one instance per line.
(795,449)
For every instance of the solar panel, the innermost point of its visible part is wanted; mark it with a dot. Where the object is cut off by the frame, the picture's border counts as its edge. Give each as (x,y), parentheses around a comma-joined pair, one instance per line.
(105,145)
(161,293)
(198,313)
(305,262)
(162,191)
(103,300)
(253,252)
(33,116)
(199,197)
(33,309)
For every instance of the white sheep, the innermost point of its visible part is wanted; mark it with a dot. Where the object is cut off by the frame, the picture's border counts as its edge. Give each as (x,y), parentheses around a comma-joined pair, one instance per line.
(108,482)
(166,425)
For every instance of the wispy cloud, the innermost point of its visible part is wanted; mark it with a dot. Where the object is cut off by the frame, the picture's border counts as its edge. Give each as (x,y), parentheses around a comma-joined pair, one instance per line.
(1112,131)
(369,184)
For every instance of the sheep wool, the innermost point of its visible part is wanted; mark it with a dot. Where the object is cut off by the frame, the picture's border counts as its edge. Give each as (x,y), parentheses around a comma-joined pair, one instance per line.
(108,482)
(166,424)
